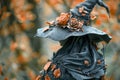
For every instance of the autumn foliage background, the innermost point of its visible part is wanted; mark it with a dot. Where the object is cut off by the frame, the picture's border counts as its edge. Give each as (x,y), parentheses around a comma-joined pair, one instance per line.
(22,55)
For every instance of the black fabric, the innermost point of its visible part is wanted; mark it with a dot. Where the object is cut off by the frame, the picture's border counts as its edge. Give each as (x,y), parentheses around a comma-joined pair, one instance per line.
(70,59)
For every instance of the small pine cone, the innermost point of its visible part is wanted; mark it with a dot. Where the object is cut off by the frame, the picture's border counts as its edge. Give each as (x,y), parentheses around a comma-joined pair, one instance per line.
(74,23)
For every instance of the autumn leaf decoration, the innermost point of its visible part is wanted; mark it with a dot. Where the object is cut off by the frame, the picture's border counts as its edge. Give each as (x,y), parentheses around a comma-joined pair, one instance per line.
(47,77)
(47,65)
(62,20)
(57,73)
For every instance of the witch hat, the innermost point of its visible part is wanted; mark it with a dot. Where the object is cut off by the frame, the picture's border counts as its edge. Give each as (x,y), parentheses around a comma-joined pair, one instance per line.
(88,6)
(75,23)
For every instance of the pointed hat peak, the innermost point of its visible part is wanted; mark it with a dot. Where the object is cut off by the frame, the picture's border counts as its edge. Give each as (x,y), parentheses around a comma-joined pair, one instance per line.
(89,5)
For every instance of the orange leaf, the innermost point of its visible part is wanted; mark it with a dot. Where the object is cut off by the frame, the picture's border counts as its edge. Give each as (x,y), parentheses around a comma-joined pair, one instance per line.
(47,77)
(53,67)
(57,73)
(47,66)
(63,18)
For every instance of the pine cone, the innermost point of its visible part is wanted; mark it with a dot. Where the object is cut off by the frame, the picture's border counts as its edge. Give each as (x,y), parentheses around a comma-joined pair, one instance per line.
(75,24)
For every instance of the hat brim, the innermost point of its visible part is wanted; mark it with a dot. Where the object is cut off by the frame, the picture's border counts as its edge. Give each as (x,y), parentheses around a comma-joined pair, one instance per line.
(58,33)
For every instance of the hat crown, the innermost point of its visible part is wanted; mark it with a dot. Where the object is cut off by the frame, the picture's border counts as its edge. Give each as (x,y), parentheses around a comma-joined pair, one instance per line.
(88,6)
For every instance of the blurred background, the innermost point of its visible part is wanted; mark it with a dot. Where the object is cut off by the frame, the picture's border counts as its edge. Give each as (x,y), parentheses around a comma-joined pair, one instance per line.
(22,55)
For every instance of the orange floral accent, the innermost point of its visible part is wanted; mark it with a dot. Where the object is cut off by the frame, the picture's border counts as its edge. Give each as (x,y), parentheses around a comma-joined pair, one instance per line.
(57,73)
(99,61)
(63,19)
(47,77)
(53,67)
(47,66)
(86,62)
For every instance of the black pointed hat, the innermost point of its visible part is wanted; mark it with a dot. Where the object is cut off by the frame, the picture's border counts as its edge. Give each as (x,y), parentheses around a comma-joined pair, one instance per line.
(60,33)
(88,6)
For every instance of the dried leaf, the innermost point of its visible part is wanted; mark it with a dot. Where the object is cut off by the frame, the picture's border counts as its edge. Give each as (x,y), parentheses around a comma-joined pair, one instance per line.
(47,66)
(63,19)
(98,61)
(86,62)
(47,77)
(57,73)
(53,67)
